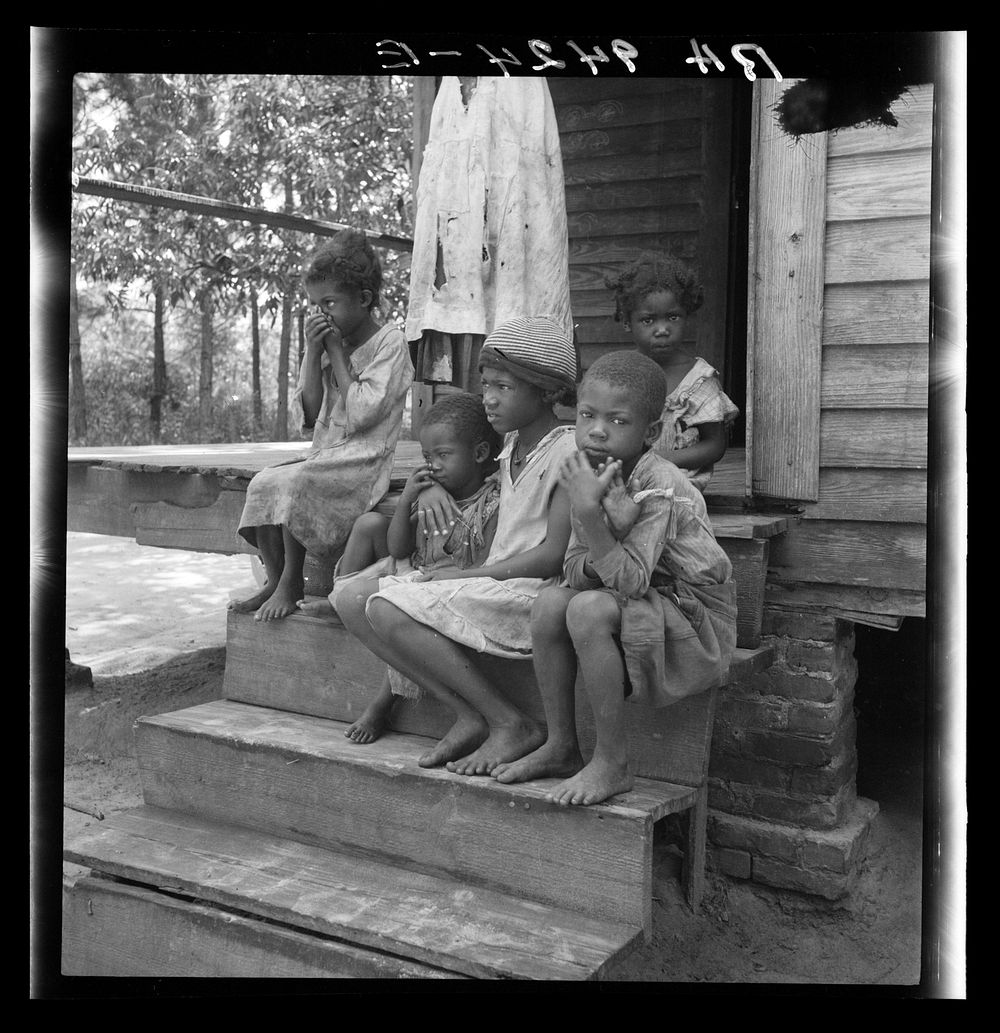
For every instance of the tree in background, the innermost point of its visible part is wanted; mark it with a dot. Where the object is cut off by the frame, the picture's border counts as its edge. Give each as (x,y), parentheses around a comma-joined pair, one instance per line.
(335,148)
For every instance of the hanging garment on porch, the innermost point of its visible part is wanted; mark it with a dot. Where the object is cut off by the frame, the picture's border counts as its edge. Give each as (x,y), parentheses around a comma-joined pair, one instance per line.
(490,241)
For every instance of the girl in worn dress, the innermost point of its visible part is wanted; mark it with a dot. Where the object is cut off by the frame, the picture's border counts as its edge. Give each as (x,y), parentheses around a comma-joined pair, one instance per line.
(654,298)
(352,387)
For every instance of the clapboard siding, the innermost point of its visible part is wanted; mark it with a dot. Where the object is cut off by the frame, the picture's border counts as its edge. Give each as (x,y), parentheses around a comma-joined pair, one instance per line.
(885,249)
(867,528)
(864,186)
(873,437)
(874,376)
(876,313)
(644,171)
(913,111)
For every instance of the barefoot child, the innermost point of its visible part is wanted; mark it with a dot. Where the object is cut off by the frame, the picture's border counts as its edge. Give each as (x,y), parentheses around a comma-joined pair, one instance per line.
(459,446)
(654,298)
(431,631)
(647,614)
(353,383)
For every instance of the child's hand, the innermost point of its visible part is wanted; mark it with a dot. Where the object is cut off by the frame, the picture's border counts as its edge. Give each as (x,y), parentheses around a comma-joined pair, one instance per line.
(417,482)
(317,328)
(442,574)
(585,486)
(436,511)
(622,511)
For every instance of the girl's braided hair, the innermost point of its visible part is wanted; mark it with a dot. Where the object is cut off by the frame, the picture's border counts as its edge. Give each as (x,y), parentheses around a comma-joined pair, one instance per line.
(650,273)
(348,259)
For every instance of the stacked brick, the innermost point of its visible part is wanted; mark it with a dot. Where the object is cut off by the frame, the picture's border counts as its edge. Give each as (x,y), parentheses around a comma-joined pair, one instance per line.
(784,809)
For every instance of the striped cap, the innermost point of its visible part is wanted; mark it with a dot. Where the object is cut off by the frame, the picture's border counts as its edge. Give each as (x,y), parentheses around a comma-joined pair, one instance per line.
(534,348)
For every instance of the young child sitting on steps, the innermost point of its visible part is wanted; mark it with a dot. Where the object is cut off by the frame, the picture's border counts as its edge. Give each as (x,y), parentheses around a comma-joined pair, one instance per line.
(353,383)
(648,609)
(459,448)
(654,297)
(432,631)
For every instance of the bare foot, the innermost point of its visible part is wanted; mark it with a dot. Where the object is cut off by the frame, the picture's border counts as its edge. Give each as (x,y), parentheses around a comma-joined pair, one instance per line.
(254,602)
(316,607)
(371,724)
(548,761)
(280,604)
(598,781)
(464,735)
(506,743)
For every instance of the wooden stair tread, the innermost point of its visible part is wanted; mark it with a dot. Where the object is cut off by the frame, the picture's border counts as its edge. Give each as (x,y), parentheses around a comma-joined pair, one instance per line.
(395,754)
(437,921)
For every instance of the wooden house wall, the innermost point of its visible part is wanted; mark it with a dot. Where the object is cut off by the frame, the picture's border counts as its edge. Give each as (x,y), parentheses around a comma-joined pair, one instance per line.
(647,167)
(862,544)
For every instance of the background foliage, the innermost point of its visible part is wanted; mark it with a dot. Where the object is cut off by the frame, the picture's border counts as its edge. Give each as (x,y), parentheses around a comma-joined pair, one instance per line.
(188,325)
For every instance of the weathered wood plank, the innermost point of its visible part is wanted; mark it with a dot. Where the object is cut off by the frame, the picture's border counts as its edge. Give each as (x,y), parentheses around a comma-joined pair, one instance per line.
(863,437)
(788,189)
(850,552)
(678,219)
(878,249)
(612,140)
(749,560)
(914,112)
(111,929)
(875,376)
(584,103)
(590,169)
(896,496)
(333,676)
(606,254)
(880,186)
(801,595)
(652,193)
(206,529)
(298,777)
(876,313)
(593,89)
(372,905)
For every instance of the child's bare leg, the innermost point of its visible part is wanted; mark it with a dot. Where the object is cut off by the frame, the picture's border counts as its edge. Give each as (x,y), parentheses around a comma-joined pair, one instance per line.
(555,667)
(288,591)
(371,724)
(593,619)
(439,662)
(272,553)
(366,543)
(469,729)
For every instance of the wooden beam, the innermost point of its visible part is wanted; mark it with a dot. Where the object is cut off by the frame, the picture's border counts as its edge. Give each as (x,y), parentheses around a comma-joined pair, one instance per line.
(833,598)
(861,437)
(787,225)
(225,210)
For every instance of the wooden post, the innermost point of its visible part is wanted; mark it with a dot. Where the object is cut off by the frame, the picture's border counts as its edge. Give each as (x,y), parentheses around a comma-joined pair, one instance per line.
(785,303)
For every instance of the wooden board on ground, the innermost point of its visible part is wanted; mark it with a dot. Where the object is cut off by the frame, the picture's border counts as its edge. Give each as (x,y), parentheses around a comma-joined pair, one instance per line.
(411,919)
(117,929)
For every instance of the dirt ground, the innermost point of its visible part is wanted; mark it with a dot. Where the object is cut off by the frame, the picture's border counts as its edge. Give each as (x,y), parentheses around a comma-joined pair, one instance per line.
(164,650)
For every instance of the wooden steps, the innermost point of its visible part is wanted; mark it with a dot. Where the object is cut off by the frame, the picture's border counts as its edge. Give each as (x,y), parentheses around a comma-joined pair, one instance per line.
(196,885)
(300,778)
(334,676)
(269,843)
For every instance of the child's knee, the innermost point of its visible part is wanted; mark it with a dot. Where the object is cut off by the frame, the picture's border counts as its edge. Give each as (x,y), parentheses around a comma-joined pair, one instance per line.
(382,615)
(591,614)
(371,524)
(548,612)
